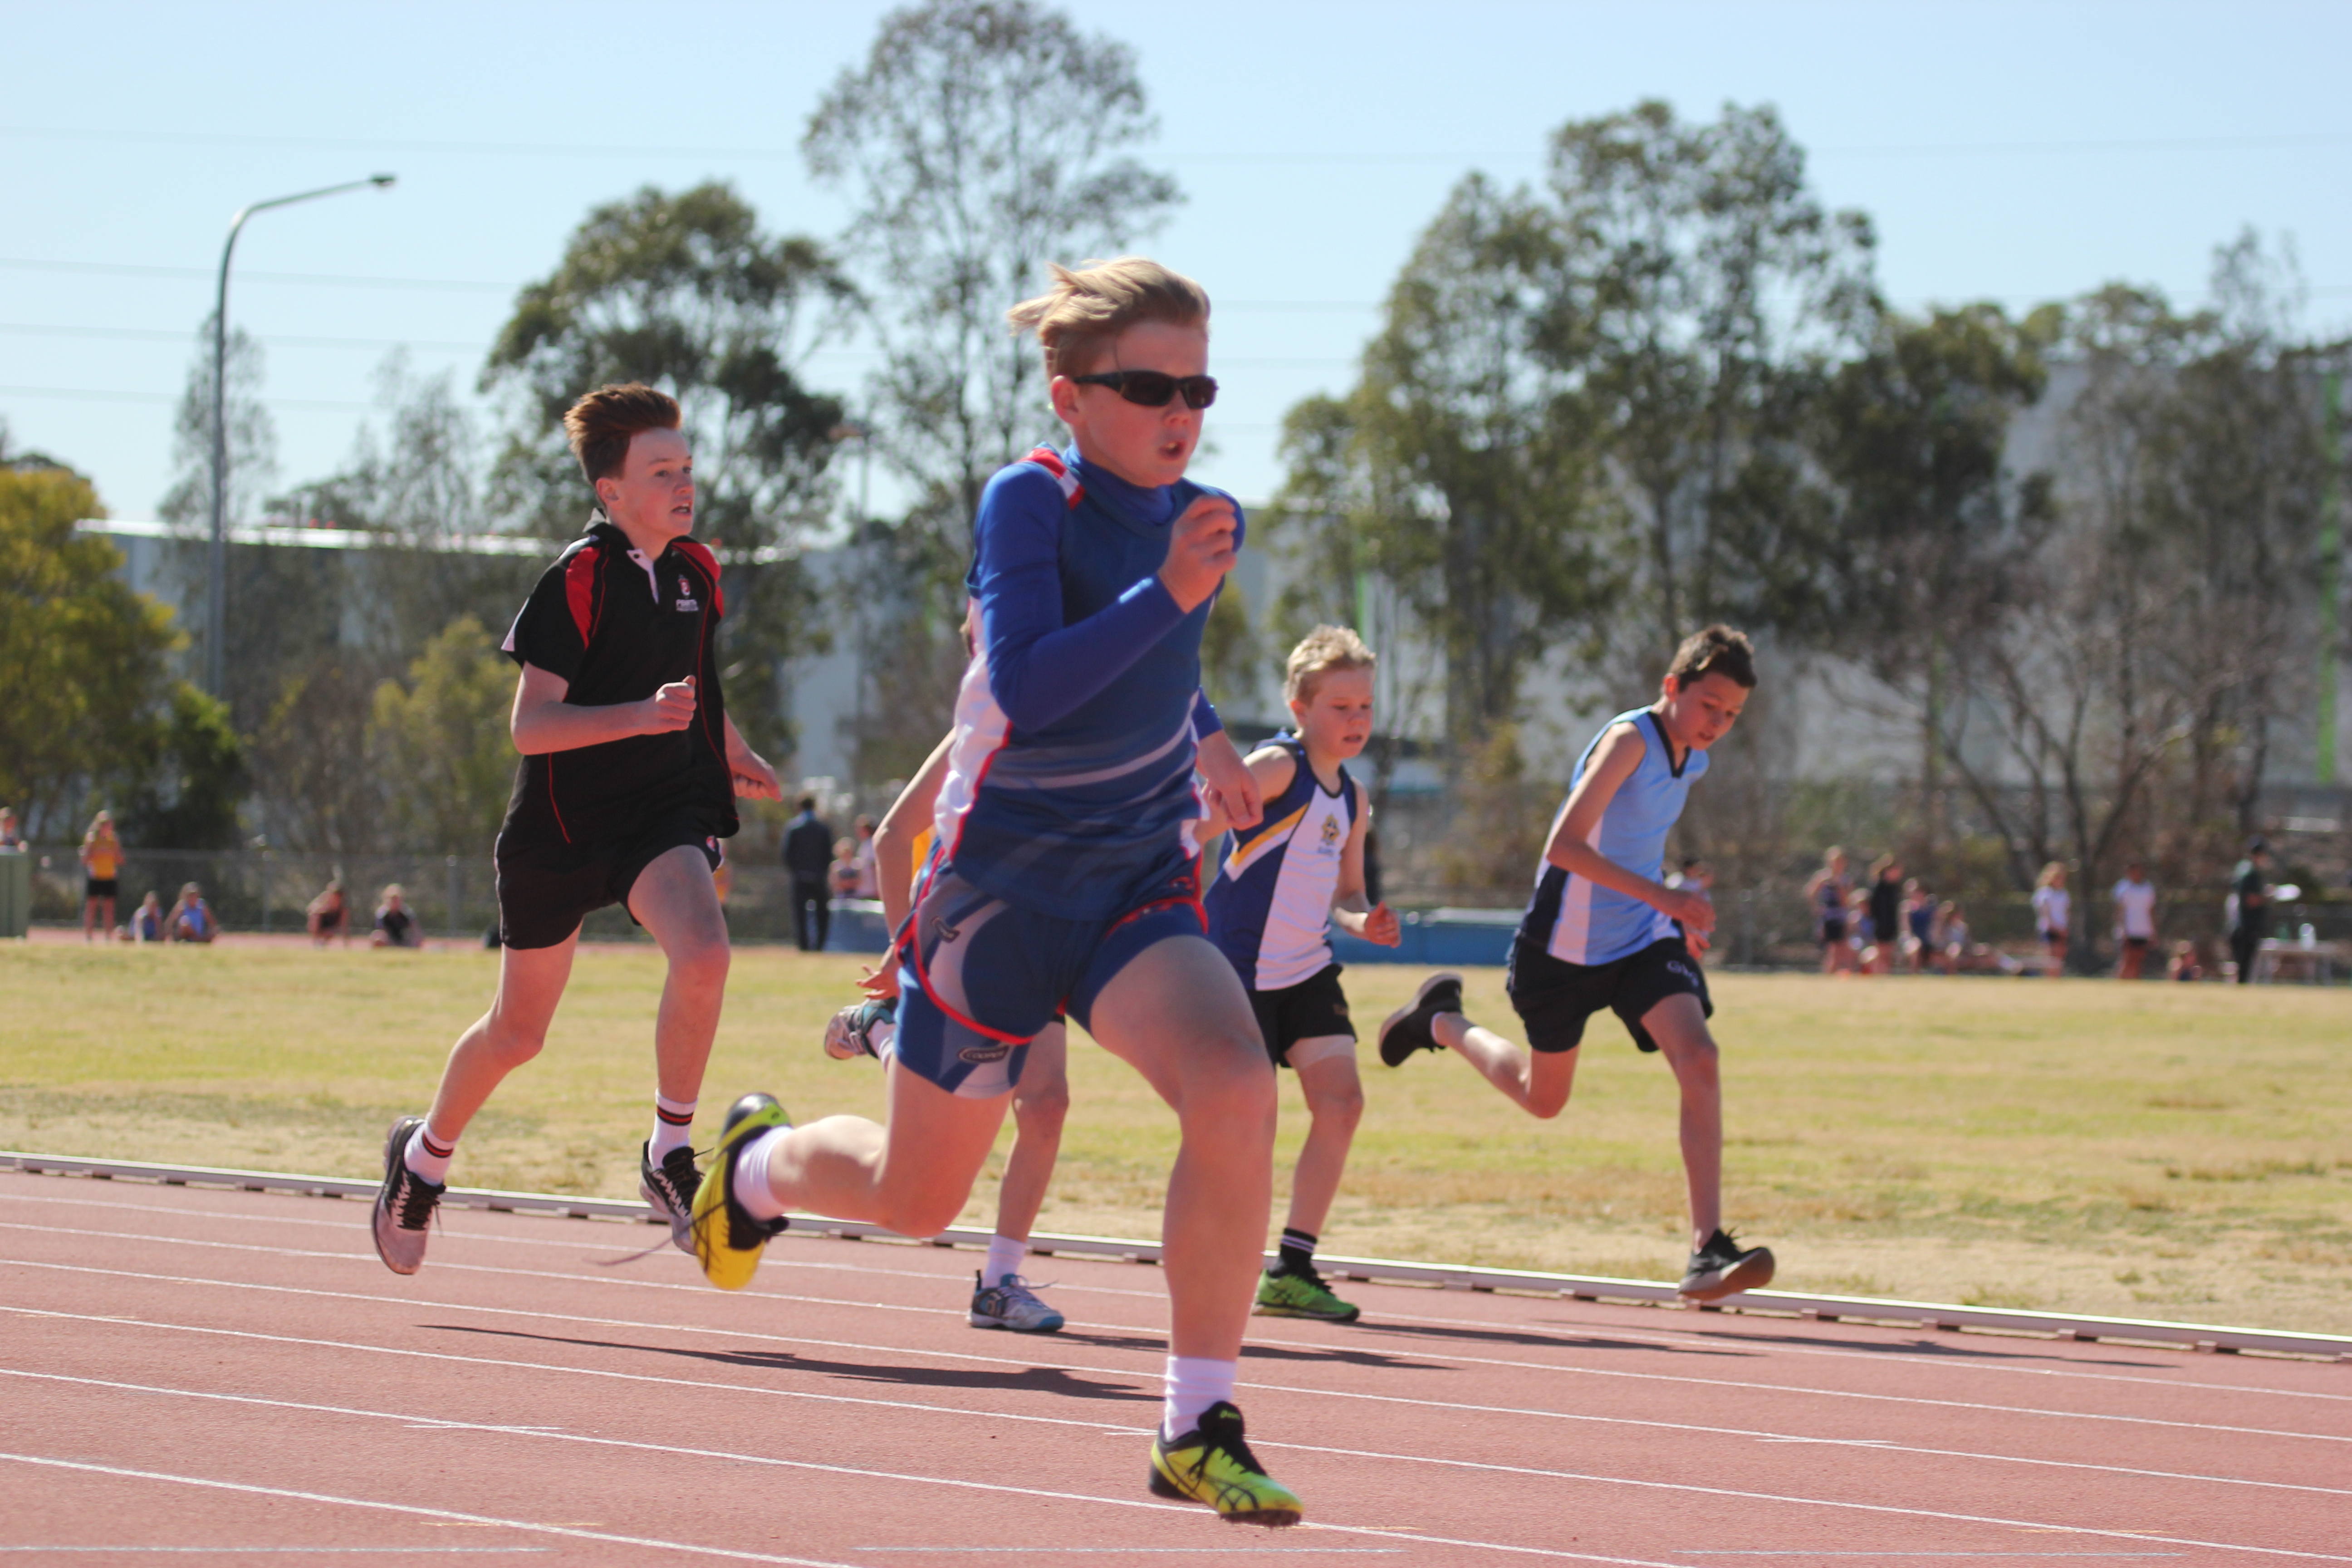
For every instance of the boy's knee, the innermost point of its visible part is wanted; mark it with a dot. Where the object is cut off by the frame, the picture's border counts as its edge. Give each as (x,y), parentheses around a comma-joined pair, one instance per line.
(1342,1105)
(1545,1103)
(511,1047)
(701,957)
(1042,1108)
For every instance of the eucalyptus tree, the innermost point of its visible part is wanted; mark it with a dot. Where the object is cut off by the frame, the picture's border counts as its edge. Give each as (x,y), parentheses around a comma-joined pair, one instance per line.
(686,292)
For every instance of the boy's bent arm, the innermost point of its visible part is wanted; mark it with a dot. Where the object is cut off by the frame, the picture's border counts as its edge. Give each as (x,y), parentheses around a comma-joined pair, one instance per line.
(754,778)
(893,840)
(1349,909)
(1619,754)
(542,722)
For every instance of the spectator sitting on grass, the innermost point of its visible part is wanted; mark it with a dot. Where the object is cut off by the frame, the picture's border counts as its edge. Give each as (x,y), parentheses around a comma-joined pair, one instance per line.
(2184,964)
(394,925)
(147,919)
(1952,950)
(329,914)
(191,918)
(11,840)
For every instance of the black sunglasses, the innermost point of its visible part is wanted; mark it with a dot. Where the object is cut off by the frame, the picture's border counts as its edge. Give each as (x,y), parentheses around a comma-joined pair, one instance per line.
(1153,388)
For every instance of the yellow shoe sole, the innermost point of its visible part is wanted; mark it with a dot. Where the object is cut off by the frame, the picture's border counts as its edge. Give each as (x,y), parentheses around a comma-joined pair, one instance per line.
(725,1265)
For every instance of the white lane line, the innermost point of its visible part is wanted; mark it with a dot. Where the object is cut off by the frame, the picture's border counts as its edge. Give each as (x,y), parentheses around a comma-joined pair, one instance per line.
(308,1551)
(1665,1338)
(1348,1453)
(1874,1445)
(1190,1511)
(542,1275)
(1033,1363)
(126,1473)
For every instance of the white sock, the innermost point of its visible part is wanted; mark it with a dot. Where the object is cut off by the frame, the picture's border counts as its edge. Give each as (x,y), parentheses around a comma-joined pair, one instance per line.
(1004,1256)
(673,1127)
(1193,1384)
(429,1155)
(751,1187)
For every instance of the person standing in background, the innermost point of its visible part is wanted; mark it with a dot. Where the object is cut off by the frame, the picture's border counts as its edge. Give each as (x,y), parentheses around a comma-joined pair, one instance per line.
(11,840)
(1827,891)
(2250,886)
(2052,914)
(1886,913)
(101,863)
(2135,921)
(868,886)
(808,860)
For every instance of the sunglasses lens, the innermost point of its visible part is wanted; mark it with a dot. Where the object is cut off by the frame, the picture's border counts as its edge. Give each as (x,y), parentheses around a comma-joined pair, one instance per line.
(1200,391)
(1151,388)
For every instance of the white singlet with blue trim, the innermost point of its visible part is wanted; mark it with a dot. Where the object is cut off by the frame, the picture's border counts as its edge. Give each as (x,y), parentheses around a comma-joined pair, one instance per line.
(1270,908)
(1575,919)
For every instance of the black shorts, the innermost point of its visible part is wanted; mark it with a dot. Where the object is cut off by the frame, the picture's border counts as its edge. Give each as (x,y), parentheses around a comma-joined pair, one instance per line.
(1309,1010)
(1832,930)
(1553,998)
(97,886)
(546,889)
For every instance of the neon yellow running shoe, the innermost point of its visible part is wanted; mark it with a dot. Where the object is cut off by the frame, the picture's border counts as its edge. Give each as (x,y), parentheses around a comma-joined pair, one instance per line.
(1211,1465)
(1289,1294)
(728,1240)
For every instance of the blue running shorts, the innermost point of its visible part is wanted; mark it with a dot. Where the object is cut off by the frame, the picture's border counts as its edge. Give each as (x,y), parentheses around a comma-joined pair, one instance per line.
(978,978)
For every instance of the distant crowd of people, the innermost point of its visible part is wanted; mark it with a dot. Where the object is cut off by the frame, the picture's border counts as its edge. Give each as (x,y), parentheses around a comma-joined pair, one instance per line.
(1891,922)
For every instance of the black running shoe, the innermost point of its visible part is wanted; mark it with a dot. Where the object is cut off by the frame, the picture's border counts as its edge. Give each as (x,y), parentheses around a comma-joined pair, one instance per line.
(405,1203)
(1723,1267)
(1407,1029)
(669,1188)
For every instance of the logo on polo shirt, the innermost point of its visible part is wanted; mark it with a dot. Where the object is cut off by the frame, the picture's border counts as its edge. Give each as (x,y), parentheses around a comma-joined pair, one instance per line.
(686,599)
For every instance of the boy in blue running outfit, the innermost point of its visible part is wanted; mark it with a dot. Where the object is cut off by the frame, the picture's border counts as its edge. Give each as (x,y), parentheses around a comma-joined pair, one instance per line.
(1065,876)
(1603,930)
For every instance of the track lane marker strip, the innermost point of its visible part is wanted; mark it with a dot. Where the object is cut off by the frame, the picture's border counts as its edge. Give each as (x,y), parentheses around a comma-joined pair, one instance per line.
(542,1275)
(1173,1507)
(1867,1444)
(1664,1338)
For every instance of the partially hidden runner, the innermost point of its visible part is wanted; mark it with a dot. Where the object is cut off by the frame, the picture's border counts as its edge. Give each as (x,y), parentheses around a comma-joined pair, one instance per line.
(1603,930)
(1065,875)
(1002,1298)
(629,774)
(1280,888)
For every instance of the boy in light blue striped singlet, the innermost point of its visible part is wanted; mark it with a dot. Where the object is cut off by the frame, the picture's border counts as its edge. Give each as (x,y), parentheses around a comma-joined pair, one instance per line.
(1603,930)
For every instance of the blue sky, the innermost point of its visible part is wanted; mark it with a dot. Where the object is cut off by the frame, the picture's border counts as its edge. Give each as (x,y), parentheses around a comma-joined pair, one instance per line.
(2011,152)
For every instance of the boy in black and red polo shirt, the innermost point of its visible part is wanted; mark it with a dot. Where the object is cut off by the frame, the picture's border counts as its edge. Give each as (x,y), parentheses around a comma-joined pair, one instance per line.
(630,771)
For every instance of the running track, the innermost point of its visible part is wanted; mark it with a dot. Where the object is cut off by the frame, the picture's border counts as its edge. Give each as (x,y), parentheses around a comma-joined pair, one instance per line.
(234,1377)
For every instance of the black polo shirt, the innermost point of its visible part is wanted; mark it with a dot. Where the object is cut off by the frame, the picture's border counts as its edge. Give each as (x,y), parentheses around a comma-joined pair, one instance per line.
(619,626)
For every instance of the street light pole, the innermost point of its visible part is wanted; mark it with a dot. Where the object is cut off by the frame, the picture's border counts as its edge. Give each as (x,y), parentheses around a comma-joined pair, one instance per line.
(216,588)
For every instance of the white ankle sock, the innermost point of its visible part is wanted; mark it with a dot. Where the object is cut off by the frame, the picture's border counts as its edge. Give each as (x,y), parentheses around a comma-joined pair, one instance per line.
(673,1127)
(751,1187)
(422,1158)
(1193,1384)
(1004,1256)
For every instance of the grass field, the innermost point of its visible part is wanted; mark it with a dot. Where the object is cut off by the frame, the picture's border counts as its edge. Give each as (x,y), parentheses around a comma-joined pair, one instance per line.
(2151,1150)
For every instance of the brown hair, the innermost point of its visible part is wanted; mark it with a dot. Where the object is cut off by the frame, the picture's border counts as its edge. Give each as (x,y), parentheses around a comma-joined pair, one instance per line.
(1080,313)
(1717,651)
(601,425)
(1321,651)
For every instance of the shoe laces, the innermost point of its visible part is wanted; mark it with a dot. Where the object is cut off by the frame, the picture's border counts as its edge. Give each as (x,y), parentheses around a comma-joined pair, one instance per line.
(1220,1430)
(415,1201)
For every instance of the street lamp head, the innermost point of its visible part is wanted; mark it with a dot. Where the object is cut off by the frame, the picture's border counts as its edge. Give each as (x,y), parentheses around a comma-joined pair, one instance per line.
(381,181)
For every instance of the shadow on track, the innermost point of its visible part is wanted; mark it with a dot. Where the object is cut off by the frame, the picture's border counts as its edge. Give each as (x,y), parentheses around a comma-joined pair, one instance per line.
(1030,1379)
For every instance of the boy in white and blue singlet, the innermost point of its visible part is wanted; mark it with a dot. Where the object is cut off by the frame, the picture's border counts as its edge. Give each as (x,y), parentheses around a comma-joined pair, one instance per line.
(1282,886)
(1603,930)
(1065,876)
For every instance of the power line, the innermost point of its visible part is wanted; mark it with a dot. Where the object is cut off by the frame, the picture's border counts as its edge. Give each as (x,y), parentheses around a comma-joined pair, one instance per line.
(157,334)
(599,150)
(27,264)
(95,394)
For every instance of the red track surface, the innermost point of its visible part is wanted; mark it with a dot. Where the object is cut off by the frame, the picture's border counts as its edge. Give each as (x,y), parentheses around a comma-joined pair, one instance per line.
(236,1373)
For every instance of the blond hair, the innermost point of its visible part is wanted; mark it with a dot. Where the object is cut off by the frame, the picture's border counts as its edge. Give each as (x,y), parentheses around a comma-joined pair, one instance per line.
(1321,651)
(1077,317)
